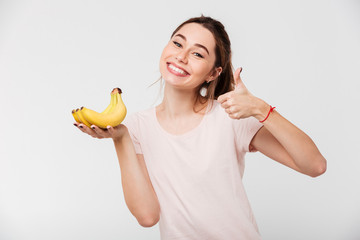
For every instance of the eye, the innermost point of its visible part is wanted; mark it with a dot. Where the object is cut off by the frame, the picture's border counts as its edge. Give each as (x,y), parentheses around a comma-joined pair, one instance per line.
(177,44)
(198,55)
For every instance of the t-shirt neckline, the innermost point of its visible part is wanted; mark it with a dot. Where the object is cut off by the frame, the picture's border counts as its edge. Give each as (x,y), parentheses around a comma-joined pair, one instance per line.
(188,133)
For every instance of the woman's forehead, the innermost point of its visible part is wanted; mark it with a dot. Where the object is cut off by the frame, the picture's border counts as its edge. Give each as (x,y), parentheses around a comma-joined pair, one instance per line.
(195,33)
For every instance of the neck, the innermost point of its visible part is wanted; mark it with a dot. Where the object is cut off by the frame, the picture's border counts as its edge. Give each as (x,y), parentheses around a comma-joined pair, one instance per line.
(179,103)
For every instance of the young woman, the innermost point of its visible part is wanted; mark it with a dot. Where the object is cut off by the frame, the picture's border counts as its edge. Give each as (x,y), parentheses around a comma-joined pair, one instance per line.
(182,161)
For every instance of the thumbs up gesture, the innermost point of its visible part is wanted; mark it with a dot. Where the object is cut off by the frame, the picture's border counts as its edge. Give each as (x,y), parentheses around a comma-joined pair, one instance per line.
(240,103)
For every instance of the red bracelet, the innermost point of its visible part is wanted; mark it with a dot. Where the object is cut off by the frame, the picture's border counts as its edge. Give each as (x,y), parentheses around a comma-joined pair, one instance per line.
(271,109)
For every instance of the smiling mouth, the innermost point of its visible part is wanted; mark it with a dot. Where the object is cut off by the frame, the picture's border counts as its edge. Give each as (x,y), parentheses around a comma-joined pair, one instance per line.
(177,71)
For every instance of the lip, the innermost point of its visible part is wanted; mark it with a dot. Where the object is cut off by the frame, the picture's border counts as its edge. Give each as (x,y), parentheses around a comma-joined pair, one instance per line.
(175,72)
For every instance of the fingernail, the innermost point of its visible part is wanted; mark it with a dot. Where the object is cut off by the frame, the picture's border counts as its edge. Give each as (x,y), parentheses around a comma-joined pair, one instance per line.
(108,127)
(241,69)
(81,126)
(75,124)
(92,127)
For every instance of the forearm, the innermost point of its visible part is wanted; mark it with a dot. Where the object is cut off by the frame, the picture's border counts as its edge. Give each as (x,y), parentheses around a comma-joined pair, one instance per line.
(299,145)
(139,194)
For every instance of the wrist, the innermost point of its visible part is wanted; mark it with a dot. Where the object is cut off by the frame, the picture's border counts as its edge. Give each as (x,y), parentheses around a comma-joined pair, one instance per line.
(261,109)
(121,137)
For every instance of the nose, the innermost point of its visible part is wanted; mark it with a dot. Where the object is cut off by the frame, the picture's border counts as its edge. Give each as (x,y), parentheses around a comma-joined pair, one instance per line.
(181,57)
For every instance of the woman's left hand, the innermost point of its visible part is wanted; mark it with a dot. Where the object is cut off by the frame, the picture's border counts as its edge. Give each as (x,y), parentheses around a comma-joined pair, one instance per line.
(240,103)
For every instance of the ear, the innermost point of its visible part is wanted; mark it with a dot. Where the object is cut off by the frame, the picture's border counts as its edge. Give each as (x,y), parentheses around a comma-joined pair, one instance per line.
(215,74)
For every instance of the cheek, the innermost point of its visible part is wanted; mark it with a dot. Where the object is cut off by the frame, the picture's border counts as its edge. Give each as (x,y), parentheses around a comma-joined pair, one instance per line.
(166,51)
(202,68)
(163,58)
(162,55)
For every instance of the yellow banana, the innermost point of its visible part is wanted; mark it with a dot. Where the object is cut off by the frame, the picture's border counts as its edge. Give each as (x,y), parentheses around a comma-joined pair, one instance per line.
(111,105)
(77,114)
(73,112)
(113,118)
(81,117)
(107,110)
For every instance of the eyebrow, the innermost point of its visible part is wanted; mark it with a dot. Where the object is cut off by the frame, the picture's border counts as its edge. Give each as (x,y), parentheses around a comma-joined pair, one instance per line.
(196,44)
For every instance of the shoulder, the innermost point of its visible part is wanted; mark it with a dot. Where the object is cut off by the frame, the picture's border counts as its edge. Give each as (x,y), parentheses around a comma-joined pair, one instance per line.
(217,113)
(215,109)
(136,118)
(146,113)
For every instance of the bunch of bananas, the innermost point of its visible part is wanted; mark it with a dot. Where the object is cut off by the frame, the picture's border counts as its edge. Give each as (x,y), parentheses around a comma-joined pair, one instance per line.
(113,115)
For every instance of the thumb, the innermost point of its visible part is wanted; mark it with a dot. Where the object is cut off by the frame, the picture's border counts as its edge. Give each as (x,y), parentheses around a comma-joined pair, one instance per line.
(238,82)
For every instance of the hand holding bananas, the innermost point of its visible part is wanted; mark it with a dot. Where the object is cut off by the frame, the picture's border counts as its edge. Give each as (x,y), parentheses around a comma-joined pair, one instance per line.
(111,117)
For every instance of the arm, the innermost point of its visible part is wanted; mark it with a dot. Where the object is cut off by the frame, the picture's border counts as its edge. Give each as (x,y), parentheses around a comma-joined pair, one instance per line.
(278,139)
(139,193)
(285,143)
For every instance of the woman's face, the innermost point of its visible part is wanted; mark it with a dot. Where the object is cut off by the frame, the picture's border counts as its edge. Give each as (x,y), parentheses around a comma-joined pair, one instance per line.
(188,59)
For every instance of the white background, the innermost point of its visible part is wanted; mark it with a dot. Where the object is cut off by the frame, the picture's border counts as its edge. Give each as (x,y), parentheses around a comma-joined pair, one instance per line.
(57,183)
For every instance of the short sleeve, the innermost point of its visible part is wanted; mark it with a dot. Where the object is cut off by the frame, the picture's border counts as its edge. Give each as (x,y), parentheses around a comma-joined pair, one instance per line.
(132,124)
(245,130)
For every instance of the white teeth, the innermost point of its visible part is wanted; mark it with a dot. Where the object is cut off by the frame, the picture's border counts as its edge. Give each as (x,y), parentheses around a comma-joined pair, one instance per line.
(176,69)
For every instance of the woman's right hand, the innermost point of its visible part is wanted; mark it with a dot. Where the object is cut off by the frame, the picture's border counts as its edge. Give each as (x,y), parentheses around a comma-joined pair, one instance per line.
(115,133)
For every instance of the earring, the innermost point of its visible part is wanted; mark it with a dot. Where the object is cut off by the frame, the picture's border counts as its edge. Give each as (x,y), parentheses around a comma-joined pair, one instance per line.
(203,91)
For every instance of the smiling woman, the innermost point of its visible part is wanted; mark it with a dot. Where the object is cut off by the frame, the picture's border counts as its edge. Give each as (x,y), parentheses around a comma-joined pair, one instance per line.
(212,48)
(182,161)
(186,61)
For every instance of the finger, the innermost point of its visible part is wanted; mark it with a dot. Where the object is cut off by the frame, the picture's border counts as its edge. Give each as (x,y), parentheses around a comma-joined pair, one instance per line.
(77,124)
(86,129)
(114,132)
(111,131)
(237,74)
(81,126)
(222,98)
(226,104)
(231,110)
(100,132)
(238,81)
(235,115)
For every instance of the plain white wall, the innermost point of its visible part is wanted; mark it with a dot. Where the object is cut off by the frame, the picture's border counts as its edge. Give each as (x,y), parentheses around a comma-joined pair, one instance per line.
(57,183)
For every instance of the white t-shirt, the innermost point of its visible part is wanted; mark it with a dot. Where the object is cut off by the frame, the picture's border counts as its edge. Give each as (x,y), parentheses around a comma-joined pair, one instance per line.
(197,176)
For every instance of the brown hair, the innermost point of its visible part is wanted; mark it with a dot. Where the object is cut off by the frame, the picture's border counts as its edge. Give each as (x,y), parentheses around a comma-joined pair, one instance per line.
(225,82)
